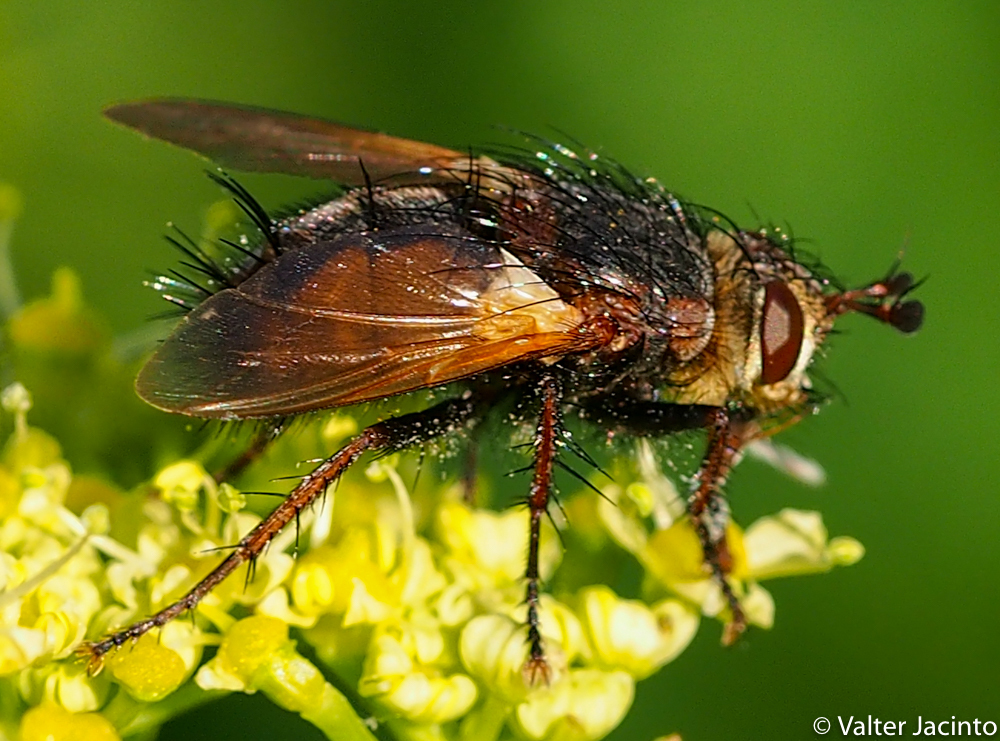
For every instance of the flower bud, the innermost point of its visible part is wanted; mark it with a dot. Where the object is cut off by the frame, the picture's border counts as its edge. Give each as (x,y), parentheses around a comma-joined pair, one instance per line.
(50,722)
(71,687)
(181,484)
(148,670)
(493,650)
(587,706)
(96,519)
(231,499)
(338,427)
(220,218)
(15,399)
(291,681)
(249,642)
(845,551)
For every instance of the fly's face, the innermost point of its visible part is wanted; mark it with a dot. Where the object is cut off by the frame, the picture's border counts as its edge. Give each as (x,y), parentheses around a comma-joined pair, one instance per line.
(774,314)
(769,316)
(789,323)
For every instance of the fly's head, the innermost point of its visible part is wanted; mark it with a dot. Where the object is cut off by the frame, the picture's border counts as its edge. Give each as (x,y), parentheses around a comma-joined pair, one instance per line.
(793,311)
(772,314)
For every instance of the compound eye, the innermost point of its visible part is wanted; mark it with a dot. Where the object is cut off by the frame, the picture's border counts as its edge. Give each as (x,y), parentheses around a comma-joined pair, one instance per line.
(780,332)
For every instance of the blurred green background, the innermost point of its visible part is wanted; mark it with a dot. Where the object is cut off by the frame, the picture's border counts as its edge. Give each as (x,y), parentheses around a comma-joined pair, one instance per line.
(866,127)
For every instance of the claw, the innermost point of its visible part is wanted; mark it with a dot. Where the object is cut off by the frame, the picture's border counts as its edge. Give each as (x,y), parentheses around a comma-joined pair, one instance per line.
(537,672)
(734,629)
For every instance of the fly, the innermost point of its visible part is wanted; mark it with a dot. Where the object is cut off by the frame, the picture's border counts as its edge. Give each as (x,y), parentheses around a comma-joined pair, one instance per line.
(559,280)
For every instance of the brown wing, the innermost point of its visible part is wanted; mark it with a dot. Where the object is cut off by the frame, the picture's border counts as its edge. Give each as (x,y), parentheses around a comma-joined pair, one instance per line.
(358,318)
(256,139)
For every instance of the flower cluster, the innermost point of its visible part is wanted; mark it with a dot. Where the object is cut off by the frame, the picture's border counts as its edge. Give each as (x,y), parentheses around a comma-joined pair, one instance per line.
(384,607)
(416,604)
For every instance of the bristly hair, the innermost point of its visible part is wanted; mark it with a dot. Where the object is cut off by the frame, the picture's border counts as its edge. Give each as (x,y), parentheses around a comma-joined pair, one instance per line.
(574,177)
(784,238)
(212,267)
(559,164)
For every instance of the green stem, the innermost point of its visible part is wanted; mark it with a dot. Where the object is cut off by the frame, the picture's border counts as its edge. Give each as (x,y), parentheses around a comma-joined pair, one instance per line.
(406,731)
(486,723)
(336,718)
(133,718)
(11,708)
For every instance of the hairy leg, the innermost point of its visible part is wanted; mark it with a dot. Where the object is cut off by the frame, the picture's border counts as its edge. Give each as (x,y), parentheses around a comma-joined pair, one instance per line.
(727,434)
(710,512)
(536,670)
(392,434)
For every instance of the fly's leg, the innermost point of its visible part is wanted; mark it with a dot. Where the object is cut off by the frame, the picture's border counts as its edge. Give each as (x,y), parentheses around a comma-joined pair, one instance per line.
(710,513)
(470,467)
(536,669)
(391,434)
(727,434)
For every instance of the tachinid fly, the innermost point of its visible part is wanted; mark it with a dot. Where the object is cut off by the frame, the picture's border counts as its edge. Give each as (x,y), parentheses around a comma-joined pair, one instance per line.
(552,277)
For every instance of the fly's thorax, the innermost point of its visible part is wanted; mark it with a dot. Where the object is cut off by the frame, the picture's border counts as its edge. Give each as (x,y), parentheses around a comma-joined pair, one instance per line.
(769,319)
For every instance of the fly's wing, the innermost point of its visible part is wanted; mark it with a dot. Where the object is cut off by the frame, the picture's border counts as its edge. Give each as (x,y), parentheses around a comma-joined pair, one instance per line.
(256,139)
(361,317)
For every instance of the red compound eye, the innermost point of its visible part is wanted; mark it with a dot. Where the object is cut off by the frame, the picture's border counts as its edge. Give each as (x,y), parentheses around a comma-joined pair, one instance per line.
(780,332)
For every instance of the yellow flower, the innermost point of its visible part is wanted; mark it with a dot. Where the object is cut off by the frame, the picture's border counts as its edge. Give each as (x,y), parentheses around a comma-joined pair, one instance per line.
(585,707)
(650,522)
(795,542)
(246,646)
(485,550)
(343,578)
(181,484)
(629,635)
(59,323)
(46,568)
(257,655)
(494,651)
(411,686)
(70,686)
(418,608)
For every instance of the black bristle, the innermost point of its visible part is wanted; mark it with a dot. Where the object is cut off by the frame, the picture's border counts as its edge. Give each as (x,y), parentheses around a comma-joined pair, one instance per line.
(243,251)
(206,271)
(186,279)
(250,206)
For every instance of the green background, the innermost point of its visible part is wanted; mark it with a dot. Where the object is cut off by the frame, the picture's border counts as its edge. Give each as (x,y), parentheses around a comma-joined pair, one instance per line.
(867,127)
